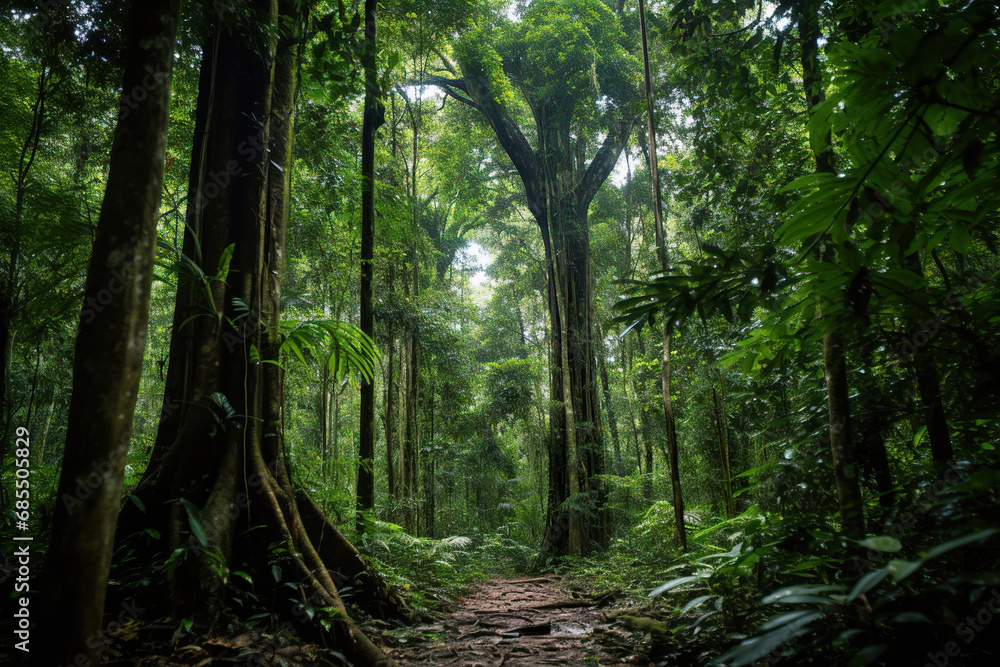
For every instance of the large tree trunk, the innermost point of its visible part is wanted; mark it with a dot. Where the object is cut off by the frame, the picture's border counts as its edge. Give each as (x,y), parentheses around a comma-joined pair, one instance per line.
(110,344)
(578,457)
(224,456)
(559,187)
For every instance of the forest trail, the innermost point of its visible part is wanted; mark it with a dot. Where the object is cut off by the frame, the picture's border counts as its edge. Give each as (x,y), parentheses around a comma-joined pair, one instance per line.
(518,623)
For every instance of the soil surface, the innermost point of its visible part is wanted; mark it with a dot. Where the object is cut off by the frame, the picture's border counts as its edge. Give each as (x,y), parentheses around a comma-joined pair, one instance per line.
(519,623)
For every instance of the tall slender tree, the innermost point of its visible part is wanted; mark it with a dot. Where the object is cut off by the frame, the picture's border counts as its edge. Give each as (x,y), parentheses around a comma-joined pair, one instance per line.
(838,400)
(661,250)
(110,343)
(373,118)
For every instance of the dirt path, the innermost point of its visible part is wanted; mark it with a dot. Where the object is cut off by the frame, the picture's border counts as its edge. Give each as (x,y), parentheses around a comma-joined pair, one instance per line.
(516,623)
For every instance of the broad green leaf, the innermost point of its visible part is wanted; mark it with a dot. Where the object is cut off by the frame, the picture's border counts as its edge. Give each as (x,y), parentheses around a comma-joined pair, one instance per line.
(194,520)
(901,569)
(695,602)
(868,582)
(971,538)
(960,239)
(882,543)
(787,628)
(803,589)
(675,583)
(867,655)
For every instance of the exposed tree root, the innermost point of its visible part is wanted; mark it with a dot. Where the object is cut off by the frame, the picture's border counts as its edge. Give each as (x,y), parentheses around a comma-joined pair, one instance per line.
(249,509)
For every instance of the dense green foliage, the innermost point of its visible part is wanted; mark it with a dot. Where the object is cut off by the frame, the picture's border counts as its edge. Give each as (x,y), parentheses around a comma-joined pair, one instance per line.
(895,249)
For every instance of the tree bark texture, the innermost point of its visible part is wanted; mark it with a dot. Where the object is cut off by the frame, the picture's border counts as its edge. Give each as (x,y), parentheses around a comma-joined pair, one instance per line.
(110,343)
(221,450)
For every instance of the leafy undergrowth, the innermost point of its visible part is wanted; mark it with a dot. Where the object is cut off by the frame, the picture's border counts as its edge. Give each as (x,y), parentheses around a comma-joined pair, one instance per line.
(769,588)
(255,647)
(432,574)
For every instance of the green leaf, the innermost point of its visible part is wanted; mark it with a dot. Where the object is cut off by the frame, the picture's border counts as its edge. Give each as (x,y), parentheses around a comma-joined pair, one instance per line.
(971,538)
(901,569)
(806,599)
(695,602)
(194,520)
(911,617)
(868,582)
(674,583)
(803,589)
(960,239)
(138,503)
(867,655)
(787,627)
(244,575)
(224,260)
(882,543)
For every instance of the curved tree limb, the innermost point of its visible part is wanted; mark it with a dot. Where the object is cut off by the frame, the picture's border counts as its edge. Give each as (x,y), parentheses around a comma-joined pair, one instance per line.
(603,164)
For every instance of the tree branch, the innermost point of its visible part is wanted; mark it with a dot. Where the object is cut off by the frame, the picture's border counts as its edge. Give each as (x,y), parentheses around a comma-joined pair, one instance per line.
(511,139)
(760,13)
(602,165)
(448,64)
(449,86)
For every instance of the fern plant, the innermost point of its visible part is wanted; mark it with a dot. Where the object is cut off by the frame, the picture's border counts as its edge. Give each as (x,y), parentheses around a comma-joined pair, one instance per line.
(341,346)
